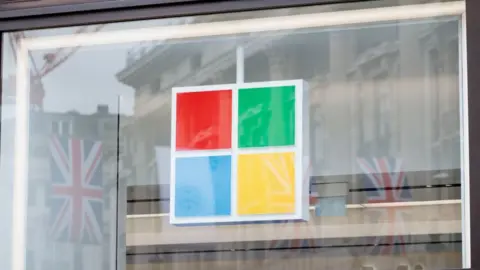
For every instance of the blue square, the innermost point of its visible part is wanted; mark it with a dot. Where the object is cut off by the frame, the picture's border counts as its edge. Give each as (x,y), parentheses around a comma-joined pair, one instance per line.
(203,186)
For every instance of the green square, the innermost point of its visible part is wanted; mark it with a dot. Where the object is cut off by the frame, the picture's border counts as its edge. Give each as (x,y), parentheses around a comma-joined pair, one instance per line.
(266,116)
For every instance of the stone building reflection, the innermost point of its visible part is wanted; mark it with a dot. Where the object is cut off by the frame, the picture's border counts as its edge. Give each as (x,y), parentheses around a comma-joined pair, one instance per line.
(387,94)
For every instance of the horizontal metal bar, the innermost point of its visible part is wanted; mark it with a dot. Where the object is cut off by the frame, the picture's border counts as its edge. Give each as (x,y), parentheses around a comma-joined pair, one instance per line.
(348,206)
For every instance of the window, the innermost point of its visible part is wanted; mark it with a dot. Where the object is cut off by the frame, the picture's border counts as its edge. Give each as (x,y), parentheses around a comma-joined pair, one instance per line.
(62,127)
(156,85)
(196,61)
(286,138)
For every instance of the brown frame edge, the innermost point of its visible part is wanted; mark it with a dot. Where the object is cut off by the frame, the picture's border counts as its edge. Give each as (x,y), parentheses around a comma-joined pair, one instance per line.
(473,82)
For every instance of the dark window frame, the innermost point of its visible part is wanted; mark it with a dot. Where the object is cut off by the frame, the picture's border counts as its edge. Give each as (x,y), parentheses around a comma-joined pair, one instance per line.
(473,83)
(14,18)
(104,11)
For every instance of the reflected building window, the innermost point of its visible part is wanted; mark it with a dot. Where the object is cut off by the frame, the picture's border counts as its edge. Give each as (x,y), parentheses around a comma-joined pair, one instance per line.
(62,127)
(418,267)
(403,267)
(196,61)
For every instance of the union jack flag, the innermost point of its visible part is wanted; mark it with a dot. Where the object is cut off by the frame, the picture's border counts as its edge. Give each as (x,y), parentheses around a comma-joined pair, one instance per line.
(385,182)
(77,190)
(298,230)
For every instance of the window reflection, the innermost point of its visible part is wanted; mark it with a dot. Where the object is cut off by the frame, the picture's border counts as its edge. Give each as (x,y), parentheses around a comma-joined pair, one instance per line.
(386,170)
(385,145)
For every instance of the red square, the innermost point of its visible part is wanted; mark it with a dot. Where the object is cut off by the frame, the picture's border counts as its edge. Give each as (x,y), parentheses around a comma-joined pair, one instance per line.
(204,120)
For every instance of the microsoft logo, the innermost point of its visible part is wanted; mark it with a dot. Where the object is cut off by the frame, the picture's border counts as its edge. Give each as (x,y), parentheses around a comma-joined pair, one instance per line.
(239,153)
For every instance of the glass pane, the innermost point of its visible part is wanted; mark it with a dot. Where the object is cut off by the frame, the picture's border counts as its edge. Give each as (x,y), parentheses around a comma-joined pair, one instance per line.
(379,116)
(71,166)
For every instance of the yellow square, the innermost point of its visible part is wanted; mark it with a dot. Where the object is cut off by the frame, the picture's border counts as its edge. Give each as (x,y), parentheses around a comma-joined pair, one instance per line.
(266,184)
